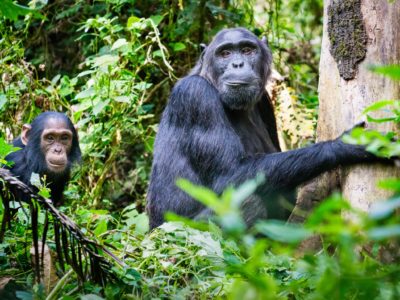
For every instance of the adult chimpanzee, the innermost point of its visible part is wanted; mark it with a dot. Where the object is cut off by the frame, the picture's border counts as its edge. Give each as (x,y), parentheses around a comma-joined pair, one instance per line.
(219,129)
(49,147)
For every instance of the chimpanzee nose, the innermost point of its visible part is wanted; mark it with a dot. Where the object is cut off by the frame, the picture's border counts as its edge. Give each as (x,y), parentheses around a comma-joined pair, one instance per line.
(238,64)
(57,150)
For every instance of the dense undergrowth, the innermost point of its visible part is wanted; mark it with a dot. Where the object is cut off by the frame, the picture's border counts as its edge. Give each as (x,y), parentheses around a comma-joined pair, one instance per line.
(110,66)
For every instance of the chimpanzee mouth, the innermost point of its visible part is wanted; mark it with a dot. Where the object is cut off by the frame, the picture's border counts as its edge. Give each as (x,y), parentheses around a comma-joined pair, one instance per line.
(237,83)
(56,164)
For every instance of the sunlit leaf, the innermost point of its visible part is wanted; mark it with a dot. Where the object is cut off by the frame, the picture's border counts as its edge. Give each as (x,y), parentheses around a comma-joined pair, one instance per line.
(119,43)
(383,209)
(12,10)
(378,105)
(178,46)
(156,19)
(381,233)
(282,231)
(391,71)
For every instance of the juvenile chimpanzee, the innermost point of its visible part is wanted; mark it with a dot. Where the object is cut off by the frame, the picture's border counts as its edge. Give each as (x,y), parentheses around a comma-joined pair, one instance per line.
(218,129)
(49,147)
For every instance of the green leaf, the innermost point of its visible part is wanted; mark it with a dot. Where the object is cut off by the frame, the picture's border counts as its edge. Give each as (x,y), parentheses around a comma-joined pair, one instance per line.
(85,93)
(3,100)
(156,19)
(282,231)
(247,189)
(379,104)
(178,46)
(390,184)
(201,194)
(119,43)
(84,73)
(35,180)
(21,295)
(383,209)
(380,120)
(12,10)
(105,60)
(381,233)
(391,71)
(6,149)
(98,108)
(131,21)
(101,227)
(123,99)
(55,79)
(91,297)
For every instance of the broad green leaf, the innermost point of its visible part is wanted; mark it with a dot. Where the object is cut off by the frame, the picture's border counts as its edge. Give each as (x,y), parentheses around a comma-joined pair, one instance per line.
(21,295)
(142,86)
(390,184)
(6,148)
(131,21)
(105,60)
(3,100)
(381,233)
(55,79)
(91,297)
(282,231)
(157,53)
(119,43)
(123,99)
(85,93)
(201,194)
(380,120)
(391,71)
(383,209)
(247,189)
(98,108)
(84,73)
(12,10)
(101,227)
(178,46)
(379,104)
(156,19)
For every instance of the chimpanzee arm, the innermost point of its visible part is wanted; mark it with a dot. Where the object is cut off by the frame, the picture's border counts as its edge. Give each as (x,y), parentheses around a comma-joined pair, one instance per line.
(207,139)
(196,141)
(287,170)
(215,152)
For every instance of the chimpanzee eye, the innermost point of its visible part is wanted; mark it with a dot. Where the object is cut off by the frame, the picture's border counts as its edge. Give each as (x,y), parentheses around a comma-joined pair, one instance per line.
(247,50)
(225,53)
(65,137)
(50,138)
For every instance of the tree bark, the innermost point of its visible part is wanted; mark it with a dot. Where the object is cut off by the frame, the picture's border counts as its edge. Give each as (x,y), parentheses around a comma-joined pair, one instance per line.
(346,87)
(342,101)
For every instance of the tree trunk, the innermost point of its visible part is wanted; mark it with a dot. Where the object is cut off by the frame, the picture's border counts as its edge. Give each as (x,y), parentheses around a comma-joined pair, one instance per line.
(346,85)
(357,33)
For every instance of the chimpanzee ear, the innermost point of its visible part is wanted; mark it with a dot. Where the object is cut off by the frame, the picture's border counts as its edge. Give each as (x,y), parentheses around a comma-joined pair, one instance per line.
(264,40)
(26,128)
(203,48)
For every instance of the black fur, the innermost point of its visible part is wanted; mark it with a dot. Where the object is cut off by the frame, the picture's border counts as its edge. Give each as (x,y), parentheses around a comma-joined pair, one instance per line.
(30,159)
(212,143)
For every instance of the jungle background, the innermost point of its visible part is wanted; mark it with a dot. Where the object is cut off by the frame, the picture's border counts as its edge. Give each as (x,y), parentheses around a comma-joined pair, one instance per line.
(110,65)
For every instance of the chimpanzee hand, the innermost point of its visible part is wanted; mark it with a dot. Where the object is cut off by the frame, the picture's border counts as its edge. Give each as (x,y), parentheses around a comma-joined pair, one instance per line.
(359,153)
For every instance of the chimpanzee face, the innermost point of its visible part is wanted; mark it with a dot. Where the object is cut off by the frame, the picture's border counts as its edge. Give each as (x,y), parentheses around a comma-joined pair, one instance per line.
(237,66)
(55,144)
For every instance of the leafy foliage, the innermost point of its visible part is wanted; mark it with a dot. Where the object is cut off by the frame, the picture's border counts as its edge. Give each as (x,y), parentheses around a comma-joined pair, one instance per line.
(110,66)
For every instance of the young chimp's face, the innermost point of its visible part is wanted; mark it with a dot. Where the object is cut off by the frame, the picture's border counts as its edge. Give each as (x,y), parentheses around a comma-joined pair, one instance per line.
(56,143)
